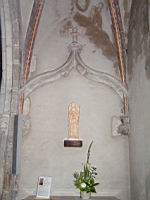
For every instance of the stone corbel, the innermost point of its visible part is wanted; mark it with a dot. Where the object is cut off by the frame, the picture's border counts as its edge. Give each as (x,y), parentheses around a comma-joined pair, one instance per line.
(120,125)
(26,125)
(25,117)
(124,127)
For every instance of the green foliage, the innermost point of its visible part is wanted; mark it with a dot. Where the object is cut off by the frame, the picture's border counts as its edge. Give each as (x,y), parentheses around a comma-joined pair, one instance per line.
(85,180)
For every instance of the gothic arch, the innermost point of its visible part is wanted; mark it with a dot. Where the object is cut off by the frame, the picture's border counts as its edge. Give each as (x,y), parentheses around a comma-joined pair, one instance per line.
(74,61)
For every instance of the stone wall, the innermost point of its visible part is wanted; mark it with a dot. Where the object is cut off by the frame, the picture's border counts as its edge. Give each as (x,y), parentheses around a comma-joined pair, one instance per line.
(11,60)
(139,99)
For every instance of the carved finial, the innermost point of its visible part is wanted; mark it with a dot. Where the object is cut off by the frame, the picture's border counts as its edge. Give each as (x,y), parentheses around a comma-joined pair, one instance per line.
(74,32)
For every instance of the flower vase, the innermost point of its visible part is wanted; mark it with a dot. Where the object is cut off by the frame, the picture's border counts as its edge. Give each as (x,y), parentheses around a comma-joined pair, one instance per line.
(85,195)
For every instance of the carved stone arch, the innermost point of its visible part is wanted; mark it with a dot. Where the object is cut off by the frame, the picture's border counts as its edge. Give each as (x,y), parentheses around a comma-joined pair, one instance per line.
(101,77)
(49,77)
(74,61)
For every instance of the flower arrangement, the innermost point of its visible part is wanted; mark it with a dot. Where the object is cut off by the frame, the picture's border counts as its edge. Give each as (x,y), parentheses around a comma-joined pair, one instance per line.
(85,179)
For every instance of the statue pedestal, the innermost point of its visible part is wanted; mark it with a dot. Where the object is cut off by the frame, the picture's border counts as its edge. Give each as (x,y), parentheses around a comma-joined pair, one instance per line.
(73,143)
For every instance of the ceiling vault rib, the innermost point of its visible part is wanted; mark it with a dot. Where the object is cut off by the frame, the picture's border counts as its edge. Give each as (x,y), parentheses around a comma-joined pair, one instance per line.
(120,40)
(29,42)
(31,35)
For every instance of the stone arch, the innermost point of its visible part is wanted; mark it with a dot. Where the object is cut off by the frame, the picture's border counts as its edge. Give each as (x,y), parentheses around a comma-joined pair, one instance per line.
(74,61)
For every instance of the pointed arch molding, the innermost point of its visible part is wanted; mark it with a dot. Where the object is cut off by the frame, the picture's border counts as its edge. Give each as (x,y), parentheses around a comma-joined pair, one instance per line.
(74,61)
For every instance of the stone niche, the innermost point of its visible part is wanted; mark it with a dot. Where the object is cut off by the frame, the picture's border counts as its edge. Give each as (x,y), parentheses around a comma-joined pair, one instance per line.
(43,152)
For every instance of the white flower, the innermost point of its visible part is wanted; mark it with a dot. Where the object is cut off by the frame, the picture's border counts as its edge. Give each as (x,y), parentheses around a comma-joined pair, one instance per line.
(83,185)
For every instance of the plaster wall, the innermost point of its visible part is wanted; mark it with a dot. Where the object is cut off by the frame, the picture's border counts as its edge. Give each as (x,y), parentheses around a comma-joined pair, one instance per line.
(43,152)
(139,98)
(139,138)
(42,148)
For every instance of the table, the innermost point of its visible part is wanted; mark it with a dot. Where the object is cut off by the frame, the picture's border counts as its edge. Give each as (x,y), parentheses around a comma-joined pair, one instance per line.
(72,198)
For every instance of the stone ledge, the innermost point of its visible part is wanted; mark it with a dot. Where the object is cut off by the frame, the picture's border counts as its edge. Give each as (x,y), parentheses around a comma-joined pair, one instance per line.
(72,198)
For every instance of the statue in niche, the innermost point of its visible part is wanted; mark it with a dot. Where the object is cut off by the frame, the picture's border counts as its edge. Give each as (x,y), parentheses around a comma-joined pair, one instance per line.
(73,120)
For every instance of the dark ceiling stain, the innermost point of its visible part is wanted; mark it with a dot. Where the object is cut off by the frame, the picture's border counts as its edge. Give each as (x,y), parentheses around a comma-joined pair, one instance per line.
(96,35)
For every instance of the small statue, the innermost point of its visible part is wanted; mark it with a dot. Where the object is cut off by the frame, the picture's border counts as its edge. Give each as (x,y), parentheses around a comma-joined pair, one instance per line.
(73,126)
(73,120)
